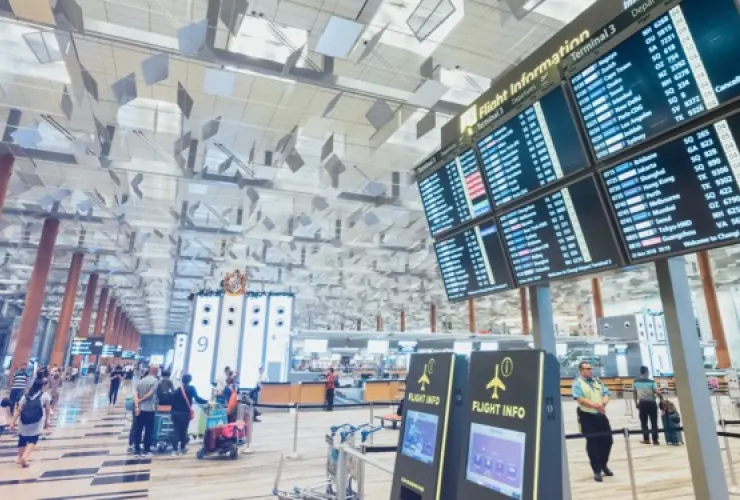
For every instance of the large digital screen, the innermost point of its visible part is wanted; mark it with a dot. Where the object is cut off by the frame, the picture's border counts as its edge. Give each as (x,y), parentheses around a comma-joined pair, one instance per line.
(681,196)
(473,262)
(496,459)
(536,147)
(420,436)
(677,67)
(454,193)
(561,234)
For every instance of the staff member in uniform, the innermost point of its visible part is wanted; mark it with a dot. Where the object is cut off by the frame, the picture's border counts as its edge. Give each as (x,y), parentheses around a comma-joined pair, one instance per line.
(330,384)
(645,391)
(592,397)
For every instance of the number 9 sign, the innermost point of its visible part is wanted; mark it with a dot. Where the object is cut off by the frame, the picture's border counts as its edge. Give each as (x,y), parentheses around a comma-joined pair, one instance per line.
(202,344)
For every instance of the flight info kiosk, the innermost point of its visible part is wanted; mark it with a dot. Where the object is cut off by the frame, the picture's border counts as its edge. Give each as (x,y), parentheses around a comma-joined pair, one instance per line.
(512,439)
(422,443)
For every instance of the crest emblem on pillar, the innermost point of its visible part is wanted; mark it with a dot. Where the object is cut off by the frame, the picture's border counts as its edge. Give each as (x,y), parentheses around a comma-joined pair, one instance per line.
(235,283)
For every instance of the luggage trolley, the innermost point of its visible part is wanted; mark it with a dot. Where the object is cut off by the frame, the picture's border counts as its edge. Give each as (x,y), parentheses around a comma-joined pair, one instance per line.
(163,430)
(326,490)
(224,439)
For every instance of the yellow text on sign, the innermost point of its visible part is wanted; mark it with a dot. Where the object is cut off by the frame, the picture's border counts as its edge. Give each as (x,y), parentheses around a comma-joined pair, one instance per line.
(511,411)
(425,399)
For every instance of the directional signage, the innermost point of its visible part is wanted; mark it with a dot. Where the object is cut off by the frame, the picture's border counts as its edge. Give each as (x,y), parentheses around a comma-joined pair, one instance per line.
(513,437)
(420,463)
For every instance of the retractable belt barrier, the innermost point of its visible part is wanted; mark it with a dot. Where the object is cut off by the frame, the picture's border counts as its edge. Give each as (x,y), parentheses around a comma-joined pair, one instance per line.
(316,406)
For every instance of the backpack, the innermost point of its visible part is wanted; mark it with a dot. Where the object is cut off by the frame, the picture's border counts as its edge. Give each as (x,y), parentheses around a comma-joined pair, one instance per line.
(165,391)
(32,411)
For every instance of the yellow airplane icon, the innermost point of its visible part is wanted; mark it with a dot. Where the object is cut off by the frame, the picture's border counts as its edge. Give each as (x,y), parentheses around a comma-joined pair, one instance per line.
(496,384)
(424,380)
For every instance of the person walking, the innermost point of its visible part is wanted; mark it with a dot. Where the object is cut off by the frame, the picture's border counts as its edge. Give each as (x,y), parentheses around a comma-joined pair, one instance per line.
(254,394)
(145,406)
(34,413)
(116,376)
(645,390)
(55,386)
(182,413)
(593,397)
(330,384)
(19,386)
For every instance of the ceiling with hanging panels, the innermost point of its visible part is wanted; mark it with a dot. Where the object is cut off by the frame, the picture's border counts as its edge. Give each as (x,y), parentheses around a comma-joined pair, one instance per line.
(178,140)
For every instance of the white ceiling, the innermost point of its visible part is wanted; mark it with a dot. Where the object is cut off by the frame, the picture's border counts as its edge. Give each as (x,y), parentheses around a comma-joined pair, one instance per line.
(193,223)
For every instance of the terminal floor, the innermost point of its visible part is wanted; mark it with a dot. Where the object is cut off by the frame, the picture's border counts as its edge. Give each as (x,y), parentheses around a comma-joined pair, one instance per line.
(85,457)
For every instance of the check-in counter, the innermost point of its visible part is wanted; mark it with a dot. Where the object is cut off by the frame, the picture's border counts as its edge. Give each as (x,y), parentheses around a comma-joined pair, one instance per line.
(311,393)
(275,393)
(382,390)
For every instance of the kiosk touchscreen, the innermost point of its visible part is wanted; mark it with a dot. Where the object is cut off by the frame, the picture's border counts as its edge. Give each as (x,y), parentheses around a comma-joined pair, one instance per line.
(513,436)
(422,442)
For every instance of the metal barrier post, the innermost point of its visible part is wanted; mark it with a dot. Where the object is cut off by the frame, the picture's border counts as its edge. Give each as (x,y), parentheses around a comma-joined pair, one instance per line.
(718,402)
(372,418)
(630,464)
(361,479)
(342,475)
(728,452)
(294,455)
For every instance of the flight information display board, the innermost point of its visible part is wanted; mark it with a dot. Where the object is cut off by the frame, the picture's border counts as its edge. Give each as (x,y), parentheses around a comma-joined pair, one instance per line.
(681,196)
(536,147)
(562,234)
(473,262)
(679,66)
(455,193)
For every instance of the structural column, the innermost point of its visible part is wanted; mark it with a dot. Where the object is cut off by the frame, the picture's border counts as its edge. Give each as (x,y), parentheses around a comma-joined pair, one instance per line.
(524,311)
(471,316)
(403,321)
(596,294)
(715,319)
(61,337)
(110,319)
(705,461)
(433,318)
(379,323)
(92,285)
(359,325)
(102,305)
(36,292)
(6,172)
(543,331)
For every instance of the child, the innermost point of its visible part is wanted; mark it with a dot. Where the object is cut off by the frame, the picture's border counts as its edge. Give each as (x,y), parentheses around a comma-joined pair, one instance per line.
(4,415)
(671,423)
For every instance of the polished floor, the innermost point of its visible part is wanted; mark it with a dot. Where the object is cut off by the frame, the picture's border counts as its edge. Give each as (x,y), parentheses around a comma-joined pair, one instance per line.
(84,456)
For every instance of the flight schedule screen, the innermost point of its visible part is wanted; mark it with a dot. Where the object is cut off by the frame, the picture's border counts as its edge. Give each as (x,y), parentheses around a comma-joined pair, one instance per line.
(473,262)
(534,148)
(561,234)
(455,193)
(682,196)
(677,67)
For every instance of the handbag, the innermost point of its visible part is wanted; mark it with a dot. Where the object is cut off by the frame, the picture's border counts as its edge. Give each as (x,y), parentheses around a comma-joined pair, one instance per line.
(187,402)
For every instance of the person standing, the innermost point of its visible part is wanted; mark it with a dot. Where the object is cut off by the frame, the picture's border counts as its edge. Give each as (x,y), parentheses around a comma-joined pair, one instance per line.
(116,375)
(145,406)
(330,384)
(182,413)
(254,394)
(34,414)
(593,397)
(645,391)
(20,384)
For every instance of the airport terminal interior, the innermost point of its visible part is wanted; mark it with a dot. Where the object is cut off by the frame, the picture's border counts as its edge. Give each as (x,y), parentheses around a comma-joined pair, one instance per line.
(370,249)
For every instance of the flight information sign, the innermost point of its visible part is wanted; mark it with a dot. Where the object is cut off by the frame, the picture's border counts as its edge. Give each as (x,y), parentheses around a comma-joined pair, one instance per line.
(473,262)
(454,193)
(534,148)
(562,234)
(681,196)
(679,66)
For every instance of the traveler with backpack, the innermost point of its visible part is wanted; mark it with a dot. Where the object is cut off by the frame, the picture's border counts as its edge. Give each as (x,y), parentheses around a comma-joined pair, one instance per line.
(164,392)
(116,375)
(34,413)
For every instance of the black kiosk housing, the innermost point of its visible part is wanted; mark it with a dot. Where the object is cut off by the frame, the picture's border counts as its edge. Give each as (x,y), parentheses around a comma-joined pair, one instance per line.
(512,437)
(425,464)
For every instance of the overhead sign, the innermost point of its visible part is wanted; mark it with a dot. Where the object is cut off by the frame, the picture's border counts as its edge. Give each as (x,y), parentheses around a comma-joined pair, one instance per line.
(548,56)
(80,346)
(96,345)
(514,427)
(420,463)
